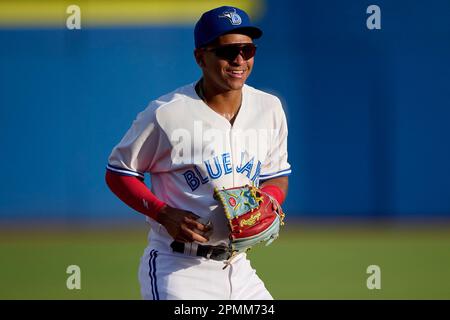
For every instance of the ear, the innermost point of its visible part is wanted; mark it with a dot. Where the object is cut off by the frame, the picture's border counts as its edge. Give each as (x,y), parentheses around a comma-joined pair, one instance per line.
(198,54)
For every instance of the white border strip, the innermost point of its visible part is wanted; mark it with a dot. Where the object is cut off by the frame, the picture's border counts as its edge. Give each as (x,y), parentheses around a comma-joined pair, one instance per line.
(125,171)
(274,175)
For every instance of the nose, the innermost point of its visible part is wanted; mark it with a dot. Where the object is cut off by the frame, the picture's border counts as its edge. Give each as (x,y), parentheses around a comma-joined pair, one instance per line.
(239,60)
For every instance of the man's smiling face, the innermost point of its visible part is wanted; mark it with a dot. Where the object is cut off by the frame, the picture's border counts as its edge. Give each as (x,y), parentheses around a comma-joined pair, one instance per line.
(225,74)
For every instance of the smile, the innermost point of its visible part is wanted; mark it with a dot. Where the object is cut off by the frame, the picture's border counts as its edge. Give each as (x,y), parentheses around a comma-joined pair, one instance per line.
(235,73)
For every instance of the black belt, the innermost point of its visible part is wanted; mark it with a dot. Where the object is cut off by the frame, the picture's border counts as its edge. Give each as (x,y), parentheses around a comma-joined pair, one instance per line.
(210,252)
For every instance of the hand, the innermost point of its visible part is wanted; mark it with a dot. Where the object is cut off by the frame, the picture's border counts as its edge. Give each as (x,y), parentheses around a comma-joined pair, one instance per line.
(183,225)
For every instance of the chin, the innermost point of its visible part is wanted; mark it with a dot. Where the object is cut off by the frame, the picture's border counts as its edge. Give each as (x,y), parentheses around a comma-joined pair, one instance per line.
(236,84)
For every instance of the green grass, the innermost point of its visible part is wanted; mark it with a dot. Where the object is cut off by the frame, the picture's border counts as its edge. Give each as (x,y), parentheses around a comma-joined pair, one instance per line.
(304,263)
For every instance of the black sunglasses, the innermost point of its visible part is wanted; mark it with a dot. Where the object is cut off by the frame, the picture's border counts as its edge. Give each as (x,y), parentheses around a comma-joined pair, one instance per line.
(229,52)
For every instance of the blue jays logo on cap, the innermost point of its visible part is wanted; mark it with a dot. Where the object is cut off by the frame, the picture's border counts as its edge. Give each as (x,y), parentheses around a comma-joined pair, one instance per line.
(235,19)
(219,21)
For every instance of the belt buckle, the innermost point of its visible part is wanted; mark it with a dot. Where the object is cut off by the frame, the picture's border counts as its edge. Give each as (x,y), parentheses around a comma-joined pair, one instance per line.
(223,253)
(210,251)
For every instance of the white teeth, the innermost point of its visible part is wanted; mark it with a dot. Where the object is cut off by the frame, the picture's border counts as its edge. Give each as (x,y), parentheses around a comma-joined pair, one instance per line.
(238,72)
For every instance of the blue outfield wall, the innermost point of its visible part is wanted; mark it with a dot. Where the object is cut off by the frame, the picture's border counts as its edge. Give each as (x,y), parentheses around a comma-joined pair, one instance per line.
(368,111)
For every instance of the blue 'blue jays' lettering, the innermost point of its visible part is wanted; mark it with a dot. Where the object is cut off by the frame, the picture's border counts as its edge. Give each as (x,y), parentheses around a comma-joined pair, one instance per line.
(246,168)
(226,158)
(222,166)
(257,171)
(203,180)
(191,179)
(218,173)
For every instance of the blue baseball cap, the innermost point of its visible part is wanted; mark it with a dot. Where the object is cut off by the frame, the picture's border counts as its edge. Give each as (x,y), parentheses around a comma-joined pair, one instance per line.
(219,21)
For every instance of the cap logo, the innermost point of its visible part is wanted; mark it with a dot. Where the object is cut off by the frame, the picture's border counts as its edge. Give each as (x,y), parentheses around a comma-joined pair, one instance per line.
(234,18)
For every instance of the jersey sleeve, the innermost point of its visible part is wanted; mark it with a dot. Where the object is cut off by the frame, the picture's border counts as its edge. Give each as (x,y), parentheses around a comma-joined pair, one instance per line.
(276,163)
(139,149)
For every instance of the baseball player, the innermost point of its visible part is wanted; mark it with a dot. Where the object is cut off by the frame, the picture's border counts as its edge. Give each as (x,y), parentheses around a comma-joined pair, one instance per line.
(216,132)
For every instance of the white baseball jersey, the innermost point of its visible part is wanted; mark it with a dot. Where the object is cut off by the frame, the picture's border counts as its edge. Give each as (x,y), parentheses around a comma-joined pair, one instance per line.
(188,149)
